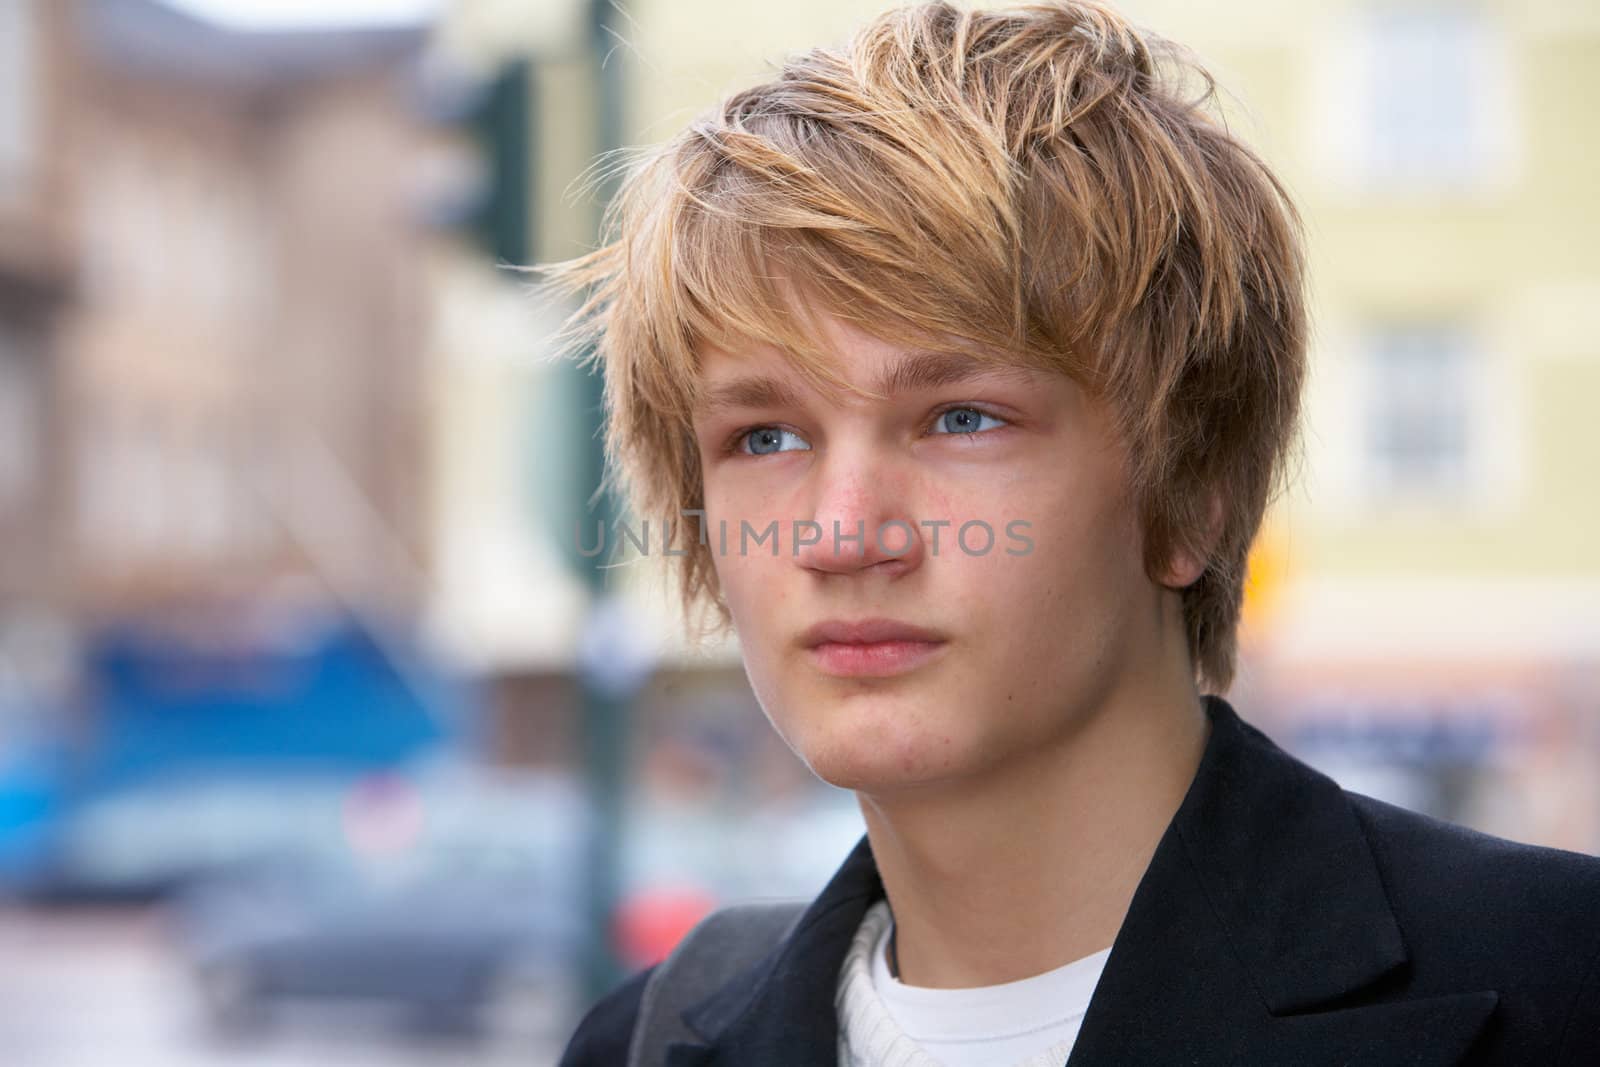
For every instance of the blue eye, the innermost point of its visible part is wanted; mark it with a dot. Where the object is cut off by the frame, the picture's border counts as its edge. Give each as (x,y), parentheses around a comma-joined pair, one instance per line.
(766,440)
(964,421)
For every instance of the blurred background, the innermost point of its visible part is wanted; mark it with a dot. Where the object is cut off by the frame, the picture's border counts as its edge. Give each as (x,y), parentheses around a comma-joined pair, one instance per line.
(321,742)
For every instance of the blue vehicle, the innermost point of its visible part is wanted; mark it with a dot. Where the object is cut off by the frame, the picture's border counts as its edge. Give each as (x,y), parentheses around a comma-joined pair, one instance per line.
(185,742)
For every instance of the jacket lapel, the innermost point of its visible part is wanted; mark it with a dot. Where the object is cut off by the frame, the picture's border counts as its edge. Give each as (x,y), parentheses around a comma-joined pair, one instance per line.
(1420,1032)
(1260,933)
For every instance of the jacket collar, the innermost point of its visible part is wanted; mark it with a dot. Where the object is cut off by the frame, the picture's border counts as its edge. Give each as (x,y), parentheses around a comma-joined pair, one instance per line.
(1258,925)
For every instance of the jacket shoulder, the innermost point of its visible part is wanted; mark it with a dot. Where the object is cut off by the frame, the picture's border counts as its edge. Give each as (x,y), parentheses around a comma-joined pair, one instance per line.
(1479,911)
(602,1036)
(1516,912)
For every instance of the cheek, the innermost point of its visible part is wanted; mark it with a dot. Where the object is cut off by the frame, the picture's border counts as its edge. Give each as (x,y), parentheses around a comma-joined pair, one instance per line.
(751,579)
(1066,596)
(738,521)
(756,597)
(732,508)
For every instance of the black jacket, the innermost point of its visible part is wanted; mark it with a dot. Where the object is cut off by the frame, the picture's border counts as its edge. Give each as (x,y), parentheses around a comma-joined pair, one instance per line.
(1282,921)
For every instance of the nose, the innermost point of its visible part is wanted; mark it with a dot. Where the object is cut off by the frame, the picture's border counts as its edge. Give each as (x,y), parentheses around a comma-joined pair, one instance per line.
(859,520)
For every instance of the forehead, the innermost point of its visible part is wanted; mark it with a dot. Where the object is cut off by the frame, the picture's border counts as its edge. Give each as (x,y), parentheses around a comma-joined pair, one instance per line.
(761,375)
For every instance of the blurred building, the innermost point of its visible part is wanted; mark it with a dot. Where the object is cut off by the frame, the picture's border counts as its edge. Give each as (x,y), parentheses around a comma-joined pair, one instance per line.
(213,316)
(245,348)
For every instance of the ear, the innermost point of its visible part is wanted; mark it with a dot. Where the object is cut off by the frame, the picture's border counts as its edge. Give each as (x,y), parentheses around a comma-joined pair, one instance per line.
(1186,567)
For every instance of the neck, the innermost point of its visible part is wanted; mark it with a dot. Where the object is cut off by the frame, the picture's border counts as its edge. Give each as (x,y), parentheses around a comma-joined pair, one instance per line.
(1007,875)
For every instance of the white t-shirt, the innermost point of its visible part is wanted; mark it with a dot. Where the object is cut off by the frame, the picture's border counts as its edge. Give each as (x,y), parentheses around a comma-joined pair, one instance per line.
(1032,1022)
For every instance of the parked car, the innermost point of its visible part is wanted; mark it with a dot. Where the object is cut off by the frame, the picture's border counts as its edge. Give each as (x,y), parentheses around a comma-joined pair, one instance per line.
(456,900)
(452,907)
(142,842)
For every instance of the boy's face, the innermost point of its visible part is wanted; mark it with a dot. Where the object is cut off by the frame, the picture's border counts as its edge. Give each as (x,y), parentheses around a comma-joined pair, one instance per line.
(1052,621)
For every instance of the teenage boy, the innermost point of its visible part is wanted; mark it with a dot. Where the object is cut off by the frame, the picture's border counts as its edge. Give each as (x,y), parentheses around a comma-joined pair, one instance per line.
(976,351)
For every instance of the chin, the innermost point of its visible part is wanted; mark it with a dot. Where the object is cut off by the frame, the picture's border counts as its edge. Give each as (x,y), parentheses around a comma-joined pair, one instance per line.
(879,753)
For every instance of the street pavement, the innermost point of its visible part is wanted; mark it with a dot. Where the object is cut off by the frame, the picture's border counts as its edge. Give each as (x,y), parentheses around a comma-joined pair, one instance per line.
(103,988)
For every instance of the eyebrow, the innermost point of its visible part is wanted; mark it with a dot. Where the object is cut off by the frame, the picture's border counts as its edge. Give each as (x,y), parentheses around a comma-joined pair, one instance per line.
(916,370)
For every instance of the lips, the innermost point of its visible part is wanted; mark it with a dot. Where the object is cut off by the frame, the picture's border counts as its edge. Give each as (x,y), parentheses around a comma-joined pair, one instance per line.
(871,648)
(867,632)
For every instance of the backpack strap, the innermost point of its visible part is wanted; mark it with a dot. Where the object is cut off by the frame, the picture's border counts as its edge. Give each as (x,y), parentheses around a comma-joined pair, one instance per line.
(719,947)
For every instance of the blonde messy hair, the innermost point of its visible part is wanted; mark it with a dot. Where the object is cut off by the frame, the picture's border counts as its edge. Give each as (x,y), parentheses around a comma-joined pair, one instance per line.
(1028,185)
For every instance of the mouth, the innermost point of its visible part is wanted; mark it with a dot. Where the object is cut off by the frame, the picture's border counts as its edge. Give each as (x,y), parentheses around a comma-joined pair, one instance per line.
(870,648)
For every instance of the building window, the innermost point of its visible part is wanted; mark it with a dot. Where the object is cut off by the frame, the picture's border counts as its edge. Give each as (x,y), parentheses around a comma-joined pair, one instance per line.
(1422,410)
(1416,95)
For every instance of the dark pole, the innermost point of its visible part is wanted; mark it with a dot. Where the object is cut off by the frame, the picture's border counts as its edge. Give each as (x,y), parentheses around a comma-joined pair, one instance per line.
(609,676)
(504,227)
